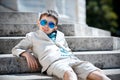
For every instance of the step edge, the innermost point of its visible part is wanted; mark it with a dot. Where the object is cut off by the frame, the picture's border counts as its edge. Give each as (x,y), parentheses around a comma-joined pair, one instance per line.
(97,52)
(19,37)
(77,53)
(111,71)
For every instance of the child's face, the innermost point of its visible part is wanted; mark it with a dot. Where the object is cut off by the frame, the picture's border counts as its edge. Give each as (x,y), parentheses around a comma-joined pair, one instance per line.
(46,28)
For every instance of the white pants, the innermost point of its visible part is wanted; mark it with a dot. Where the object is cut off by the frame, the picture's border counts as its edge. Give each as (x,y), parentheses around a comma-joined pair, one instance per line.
(81,68)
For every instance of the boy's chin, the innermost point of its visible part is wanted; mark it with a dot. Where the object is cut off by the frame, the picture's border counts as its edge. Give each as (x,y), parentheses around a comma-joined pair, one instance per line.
(47,32)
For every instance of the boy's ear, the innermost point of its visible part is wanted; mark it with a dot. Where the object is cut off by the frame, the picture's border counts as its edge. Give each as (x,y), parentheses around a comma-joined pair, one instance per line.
(38,22)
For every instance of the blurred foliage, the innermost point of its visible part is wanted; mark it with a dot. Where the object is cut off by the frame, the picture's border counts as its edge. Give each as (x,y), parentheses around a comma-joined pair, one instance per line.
(100,14)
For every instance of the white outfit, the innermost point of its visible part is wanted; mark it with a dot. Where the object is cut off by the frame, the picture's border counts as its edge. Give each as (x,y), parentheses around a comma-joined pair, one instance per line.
(49,55)
(42,47)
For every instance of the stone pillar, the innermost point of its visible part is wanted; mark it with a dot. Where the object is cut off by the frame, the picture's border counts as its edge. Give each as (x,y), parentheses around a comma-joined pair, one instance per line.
(81,28)
(12,4)
(63,6)
(81,11)
(31,5)
(50,4)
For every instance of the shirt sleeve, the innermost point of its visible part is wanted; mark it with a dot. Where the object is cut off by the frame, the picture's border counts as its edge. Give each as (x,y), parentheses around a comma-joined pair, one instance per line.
(23,45)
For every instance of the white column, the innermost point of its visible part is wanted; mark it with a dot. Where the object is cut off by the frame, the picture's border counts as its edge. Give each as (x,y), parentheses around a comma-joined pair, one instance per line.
(50,4)
(63,7)
(81,29)
(81,11)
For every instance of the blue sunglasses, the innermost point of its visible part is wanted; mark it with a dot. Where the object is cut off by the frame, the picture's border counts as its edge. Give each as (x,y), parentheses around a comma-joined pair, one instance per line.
(50,24)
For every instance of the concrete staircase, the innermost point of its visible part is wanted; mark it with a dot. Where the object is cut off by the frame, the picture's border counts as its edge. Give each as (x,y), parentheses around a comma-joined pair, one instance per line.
(87,43)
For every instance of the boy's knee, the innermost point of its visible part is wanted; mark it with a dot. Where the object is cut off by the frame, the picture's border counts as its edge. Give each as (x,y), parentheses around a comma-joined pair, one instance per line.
(96,75)
(103,77)
(70,75)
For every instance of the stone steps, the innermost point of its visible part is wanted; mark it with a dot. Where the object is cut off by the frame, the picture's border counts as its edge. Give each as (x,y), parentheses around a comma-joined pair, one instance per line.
(25,18)
(21,20)
(26,76)
(13,68)
(18,17)
(67,29)
(114,74)
(98,46)
(102,59)
(75,43)
(22,29)
(5,9)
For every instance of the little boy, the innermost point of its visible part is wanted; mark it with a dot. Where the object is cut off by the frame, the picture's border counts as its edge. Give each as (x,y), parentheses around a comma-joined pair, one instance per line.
(50,47)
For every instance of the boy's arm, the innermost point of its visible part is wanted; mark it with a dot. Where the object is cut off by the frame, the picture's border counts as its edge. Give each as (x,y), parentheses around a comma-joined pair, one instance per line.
(31,61)
(22,46)
(21,49)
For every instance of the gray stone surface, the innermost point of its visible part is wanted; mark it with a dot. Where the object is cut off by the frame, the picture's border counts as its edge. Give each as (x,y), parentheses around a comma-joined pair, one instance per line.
(22,29)
(4,9)
(113,74)
(67,29)
(20,23)
(10,64)
(27,76)
(41,5)
(116,42)
(12,4)
(7,44)
(75,43)
(18,17)
(112,71)
(15,19)
(92,43)
(103,60)
(114,77)
(37,76)
(100,32)
(16,29)
(85,30)
(23,18)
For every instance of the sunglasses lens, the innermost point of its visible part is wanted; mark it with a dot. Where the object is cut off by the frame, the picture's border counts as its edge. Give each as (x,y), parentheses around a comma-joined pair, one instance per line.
(43,22)
(51,25)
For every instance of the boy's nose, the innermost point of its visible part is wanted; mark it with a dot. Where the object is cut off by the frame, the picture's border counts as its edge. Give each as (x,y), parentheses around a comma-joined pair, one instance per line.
(46,26)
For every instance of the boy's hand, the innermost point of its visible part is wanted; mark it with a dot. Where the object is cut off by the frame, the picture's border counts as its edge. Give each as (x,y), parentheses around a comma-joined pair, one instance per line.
(31,61)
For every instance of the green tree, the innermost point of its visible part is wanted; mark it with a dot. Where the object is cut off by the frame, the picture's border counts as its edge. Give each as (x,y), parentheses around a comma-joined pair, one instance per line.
(100,14)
